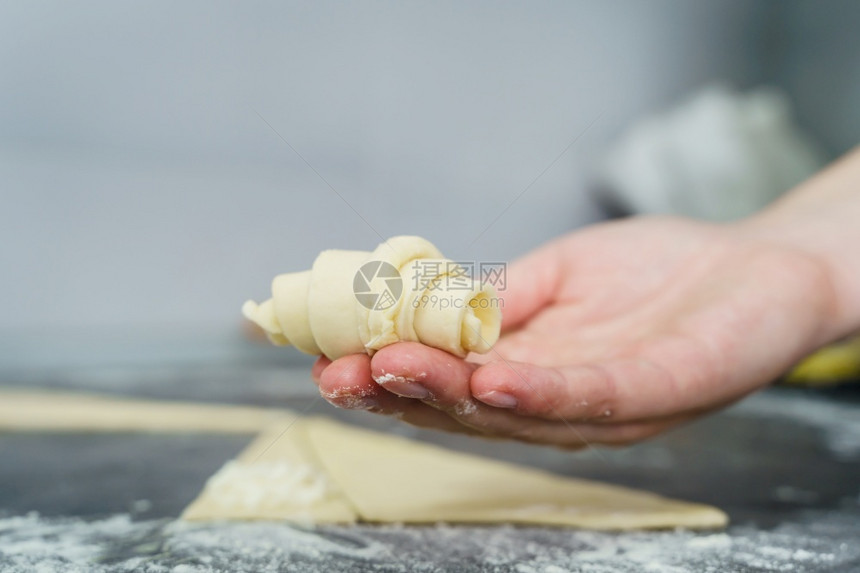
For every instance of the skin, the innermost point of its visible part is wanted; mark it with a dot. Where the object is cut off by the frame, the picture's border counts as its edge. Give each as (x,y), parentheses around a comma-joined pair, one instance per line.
(623,330)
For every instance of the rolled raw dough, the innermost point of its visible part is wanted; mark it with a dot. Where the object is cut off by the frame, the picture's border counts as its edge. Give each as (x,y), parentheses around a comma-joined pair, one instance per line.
(43,411)
(376,477)
(327,310)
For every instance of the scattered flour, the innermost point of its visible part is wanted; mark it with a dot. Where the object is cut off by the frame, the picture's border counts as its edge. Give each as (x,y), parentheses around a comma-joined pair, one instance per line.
(280,483)
(352,398)
(839,422)
(386,378)
(787,493)
(119,545)
(465,407)
(710,542)
(141,506)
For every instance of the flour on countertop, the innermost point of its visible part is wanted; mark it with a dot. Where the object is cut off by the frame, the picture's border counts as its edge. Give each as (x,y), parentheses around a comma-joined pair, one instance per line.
(840,423)
(120,544)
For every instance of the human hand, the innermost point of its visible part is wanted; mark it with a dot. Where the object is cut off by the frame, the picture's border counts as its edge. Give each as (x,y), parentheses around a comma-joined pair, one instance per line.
(611,335)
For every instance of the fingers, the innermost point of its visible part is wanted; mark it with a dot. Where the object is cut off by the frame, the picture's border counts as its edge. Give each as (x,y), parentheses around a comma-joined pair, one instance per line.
(618,390)
(346,383)
(318,367)
(413,370)
(503,396)
(532,283)
(442,381)
(544,392)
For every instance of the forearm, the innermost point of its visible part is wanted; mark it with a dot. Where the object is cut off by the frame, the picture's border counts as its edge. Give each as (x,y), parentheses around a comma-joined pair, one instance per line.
(822,218)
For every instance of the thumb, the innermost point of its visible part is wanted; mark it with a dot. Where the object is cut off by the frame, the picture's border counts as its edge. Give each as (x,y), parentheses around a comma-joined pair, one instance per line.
(532,283)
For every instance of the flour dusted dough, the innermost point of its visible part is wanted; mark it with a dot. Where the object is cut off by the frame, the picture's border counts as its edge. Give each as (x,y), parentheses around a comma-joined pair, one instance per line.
(376,477)
(318,312)
(278,477)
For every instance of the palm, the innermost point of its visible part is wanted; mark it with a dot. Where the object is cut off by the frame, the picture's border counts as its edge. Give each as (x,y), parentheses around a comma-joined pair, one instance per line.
(620,286)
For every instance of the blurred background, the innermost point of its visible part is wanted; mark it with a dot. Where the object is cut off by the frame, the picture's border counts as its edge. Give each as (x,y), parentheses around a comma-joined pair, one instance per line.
(158,160)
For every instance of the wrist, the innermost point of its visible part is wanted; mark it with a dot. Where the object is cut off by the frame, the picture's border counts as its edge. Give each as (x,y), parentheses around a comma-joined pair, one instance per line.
(826,232)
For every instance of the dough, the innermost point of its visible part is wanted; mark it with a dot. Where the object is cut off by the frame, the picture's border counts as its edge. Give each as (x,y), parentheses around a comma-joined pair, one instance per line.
(391,479)
(78,412)
(414,294)
(383,478)
(276,477)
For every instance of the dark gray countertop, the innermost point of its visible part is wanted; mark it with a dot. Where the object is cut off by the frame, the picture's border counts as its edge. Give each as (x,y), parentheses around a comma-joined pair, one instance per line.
(784,464)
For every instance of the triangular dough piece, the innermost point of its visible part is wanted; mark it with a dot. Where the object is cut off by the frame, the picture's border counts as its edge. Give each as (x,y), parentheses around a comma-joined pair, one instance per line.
(391,479)
(276,477)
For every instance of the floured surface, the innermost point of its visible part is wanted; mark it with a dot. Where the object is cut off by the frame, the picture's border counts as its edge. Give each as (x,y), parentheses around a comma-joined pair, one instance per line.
(770,462)
(838,420)
(811,543)
(24,411)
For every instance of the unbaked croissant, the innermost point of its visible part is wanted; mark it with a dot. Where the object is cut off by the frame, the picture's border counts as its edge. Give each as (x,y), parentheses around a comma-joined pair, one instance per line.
(359,301)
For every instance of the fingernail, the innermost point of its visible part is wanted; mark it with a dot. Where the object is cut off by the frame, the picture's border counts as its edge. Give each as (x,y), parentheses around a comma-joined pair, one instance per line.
(403,386)
(498,399)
